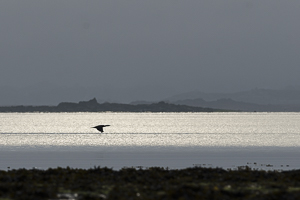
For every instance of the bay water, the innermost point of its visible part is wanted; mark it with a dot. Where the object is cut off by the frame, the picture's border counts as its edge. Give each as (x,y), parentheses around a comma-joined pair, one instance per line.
(174,140)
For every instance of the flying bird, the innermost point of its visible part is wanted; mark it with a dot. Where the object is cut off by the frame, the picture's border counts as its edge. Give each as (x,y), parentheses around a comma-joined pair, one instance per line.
(100,127)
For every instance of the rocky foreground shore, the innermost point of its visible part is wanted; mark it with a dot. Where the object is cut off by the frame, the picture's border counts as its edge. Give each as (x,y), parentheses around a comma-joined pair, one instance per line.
(150,183)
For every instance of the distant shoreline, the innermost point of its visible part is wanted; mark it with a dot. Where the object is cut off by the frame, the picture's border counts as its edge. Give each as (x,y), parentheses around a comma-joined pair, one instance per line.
(93,106)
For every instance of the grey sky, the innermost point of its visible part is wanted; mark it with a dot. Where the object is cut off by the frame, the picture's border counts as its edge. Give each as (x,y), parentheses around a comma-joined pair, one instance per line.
(151,48)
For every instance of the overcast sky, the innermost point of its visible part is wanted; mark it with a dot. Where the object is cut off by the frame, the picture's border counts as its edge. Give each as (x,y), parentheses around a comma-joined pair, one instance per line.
(151,48)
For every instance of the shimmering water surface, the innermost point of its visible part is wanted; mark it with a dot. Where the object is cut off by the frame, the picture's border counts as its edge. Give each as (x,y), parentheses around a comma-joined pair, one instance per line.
(150,135)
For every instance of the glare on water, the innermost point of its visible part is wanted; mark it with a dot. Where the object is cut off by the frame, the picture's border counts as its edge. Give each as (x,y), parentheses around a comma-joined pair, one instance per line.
(150,129)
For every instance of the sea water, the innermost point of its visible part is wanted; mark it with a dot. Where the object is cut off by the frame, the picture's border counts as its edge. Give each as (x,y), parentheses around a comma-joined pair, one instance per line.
(174,140)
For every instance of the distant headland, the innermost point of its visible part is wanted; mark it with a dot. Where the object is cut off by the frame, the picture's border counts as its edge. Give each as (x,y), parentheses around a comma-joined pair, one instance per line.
(93,106)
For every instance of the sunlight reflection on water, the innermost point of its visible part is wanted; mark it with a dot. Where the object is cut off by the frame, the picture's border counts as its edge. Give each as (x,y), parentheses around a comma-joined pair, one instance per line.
(150,129)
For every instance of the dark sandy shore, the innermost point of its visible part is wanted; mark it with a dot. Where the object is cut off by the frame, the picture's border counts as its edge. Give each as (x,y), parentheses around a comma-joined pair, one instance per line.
(150,183)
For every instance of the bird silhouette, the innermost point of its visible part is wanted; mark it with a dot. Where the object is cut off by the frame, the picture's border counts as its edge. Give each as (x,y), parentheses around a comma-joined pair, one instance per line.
(100,127)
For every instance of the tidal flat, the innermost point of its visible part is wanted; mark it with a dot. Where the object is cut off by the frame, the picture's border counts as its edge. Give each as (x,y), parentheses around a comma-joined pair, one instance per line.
(149,183)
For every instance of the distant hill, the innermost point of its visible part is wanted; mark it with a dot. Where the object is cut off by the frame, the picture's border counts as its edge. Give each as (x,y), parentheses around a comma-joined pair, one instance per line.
(287,100)
(255,96)
(260,100)
(93,106)
(229,104)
